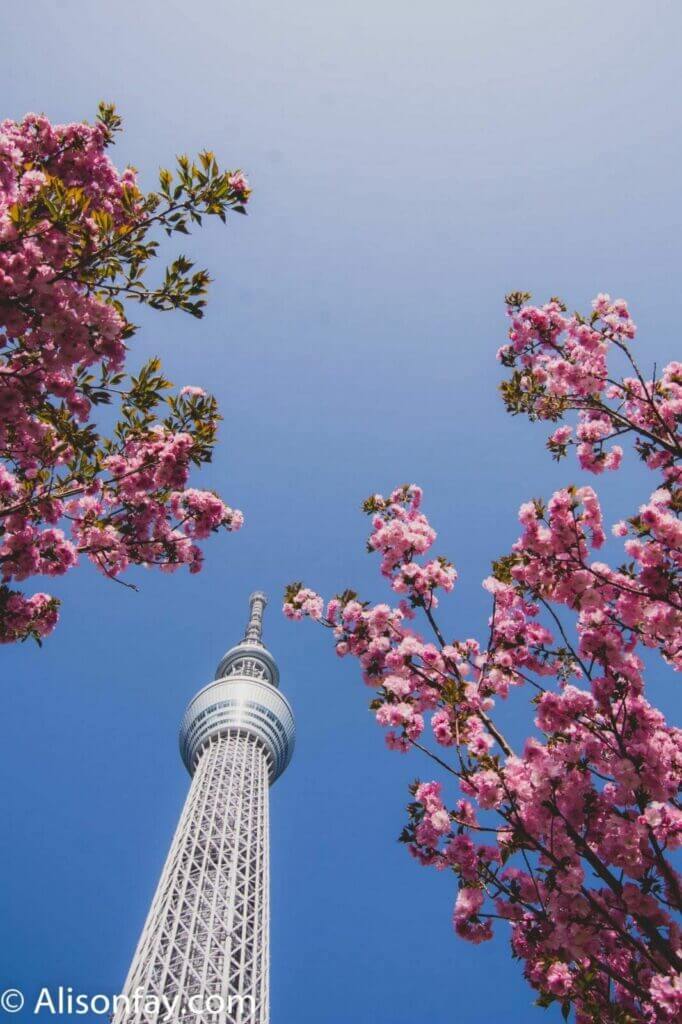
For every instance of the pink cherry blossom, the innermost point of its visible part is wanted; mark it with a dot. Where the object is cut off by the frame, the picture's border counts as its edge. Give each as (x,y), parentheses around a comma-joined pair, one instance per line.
(73,234)
(567,839)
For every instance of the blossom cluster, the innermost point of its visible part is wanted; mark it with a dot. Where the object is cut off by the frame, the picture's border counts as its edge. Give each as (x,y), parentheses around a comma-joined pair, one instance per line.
(399,527)
(72,241)
(561,363)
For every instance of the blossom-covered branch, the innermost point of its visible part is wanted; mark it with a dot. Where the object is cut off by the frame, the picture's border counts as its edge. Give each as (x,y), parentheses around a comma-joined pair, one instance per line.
(76,238)
(561,363)
(567,837)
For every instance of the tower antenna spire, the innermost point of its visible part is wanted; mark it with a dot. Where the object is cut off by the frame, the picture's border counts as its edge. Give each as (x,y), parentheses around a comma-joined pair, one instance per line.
(254,630)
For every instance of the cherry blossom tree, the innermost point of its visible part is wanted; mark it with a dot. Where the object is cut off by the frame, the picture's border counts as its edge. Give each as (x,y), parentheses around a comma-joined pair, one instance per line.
(76,239)
(565,841)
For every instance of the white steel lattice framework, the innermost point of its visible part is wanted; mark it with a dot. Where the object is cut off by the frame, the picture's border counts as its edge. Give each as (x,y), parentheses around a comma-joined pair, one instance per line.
(204,947)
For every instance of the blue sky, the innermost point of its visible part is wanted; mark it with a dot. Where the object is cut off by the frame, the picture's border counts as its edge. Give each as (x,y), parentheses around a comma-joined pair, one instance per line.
(411,164)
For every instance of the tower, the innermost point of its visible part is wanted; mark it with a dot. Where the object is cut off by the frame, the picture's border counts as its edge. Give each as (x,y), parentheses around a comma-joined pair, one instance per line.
(203,954)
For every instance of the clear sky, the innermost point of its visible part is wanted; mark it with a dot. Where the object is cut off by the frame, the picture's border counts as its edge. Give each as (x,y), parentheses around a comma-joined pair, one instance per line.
(411,163)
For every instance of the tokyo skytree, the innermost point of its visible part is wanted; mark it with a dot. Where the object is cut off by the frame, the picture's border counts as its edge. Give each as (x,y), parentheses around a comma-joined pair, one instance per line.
(203,954)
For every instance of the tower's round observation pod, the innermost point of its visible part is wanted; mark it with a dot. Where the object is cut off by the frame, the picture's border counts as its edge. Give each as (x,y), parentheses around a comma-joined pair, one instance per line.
(244,698)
